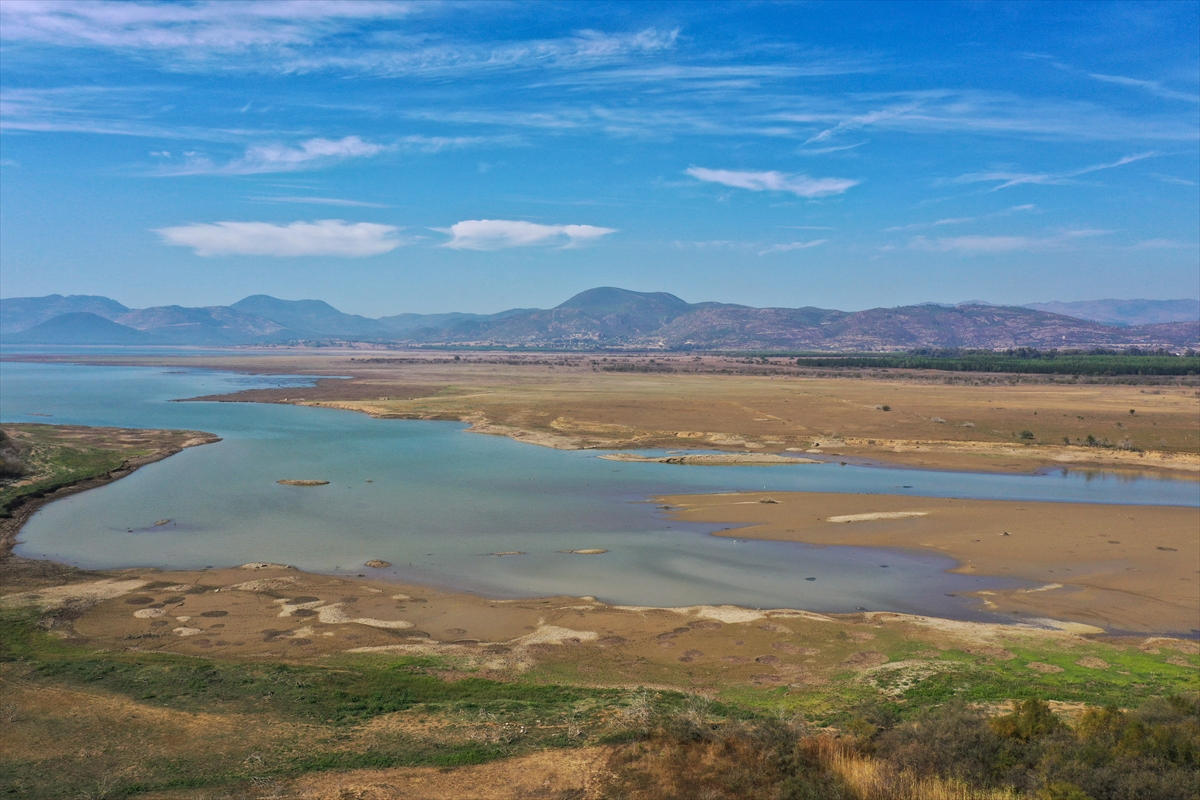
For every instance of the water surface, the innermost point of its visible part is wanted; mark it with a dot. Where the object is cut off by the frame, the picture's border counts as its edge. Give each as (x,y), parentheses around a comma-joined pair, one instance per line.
(435,501)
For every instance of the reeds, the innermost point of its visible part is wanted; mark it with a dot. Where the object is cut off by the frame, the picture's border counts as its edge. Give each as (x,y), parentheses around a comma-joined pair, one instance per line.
(871,779)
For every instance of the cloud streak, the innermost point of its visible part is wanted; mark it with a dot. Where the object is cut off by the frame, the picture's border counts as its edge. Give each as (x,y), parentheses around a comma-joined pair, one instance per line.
(1009,179)
(499,234)
(325,237)
(993,245)
(960,220)
(321,201)
(1153,87)
(799,185)
(261,159)
(784,248)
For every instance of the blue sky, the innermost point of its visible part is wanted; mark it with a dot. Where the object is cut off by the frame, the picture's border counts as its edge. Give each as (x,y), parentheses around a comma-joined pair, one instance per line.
(390,157)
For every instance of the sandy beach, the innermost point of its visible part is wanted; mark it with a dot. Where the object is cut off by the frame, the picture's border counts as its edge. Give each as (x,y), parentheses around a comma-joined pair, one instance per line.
(1133,568)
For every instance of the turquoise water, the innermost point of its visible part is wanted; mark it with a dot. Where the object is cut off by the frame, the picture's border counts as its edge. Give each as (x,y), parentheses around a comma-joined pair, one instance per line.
(435,501)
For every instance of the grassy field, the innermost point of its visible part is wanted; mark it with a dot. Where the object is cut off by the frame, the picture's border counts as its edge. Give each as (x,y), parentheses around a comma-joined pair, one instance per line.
(82,722)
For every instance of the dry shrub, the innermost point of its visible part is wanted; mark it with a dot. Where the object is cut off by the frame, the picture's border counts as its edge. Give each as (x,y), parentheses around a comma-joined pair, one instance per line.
(871,779)
(685,758)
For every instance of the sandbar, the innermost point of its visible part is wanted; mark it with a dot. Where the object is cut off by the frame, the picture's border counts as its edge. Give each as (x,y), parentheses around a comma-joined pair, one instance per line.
(1118,567)
(713,460)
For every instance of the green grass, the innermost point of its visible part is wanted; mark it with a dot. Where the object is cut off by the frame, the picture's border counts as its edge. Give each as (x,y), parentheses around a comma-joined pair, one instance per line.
(57,466)
(338,695)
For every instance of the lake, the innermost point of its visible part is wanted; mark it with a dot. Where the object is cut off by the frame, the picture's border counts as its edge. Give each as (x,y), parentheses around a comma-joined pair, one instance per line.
(436,501)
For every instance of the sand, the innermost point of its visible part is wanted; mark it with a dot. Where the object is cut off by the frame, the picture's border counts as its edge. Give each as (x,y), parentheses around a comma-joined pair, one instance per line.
(722,460)
(1132,568)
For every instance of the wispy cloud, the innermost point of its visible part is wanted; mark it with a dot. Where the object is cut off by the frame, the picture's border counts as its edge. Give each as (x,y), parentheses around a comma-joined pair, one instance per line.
(863,120)
(294,36)
(799,185)
(325,237)
(497,234)
(320,201)
(783,248)
(260,159)
(960,220)
(991,245)
(1173,179)
(208,25)
(1153,87)
(1009,179)
(1162,244)
(820,151)
(411,56)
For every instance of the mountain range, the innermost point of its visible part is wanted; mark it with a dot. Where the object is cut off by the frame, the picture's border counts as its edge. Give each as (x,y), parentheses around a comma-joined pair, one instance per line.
(610,317)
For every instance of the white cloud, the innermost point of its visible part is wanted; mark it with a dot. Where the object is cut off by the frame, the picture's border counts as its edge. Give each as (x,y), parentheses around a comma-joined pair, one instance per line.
(268,158)
(325,237)
(1173,179)
(321,201)
(1153,87)
(988,245)
(1008,179)
(783,248)
(496,234)
(228,25)
(863,121)
(960,220)
(800,185)
(1161,244)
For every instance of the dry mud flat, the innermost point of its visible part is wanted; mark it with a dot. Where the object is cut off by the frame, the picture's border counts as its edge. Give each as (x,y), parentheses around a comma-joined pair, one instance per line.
(270,617)
(273,612)
(1131,568)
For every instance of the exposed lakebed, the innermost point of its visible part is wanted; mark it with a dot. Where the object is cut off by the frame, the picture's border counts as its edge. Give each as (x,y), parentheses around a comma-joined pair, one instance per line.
(436,502)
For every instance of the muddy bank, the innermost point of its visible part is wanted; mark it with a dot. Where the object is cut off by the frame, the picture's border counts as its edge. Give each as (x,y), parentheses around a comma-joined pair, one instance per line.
(1131,568)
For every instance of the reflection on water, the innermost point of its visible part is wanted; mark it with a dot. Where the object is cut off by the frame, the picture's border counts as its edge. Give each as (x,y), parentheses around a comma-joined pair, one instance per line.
(435,502)
(1118,474)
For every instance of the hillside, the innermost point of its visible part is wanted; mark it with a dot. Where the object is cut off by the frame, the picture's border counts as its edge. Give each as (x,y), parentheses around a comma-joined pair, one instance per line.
(80,327)
(1125,312)
(605,317)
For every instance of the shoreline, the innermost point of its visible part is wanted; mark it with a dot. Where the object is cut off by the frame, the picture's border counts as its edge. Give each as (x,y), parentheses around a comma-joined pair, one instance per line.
(1119,568)
(419,391)
(927,455)
(20,569)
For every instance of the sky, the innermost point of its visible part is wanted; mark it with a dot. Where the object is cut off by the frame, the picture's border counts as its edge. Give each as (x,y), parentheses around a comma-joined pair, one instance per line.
(393,157)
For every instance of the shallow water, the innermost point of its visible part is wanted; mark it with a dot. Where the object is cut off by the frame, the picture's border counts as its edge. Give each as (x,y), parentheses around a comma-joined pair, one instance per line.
(435,502)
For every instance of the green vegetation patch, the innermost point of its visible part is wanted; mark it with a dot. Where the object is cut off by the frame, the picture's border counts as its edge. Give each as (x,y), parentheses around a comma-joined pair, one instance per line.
(1023,360)
(35,465)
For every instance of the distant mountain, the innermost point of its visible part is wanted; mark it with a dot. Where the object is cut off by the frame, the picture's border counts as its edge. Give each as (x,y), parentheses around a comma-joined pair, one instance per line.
(611,317)
(405,323)
(22,313)
(1125,312)
(213,325)
(80,327)
(314,316)
(619,318)
(597,316)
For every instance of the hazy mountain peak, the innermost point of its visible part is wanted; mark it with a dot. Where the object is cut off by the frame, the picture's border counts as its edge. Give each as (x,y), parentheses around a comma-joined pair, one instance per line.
(22,313)
(613,300)
(1125,312)
(80,327)
(312,316)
